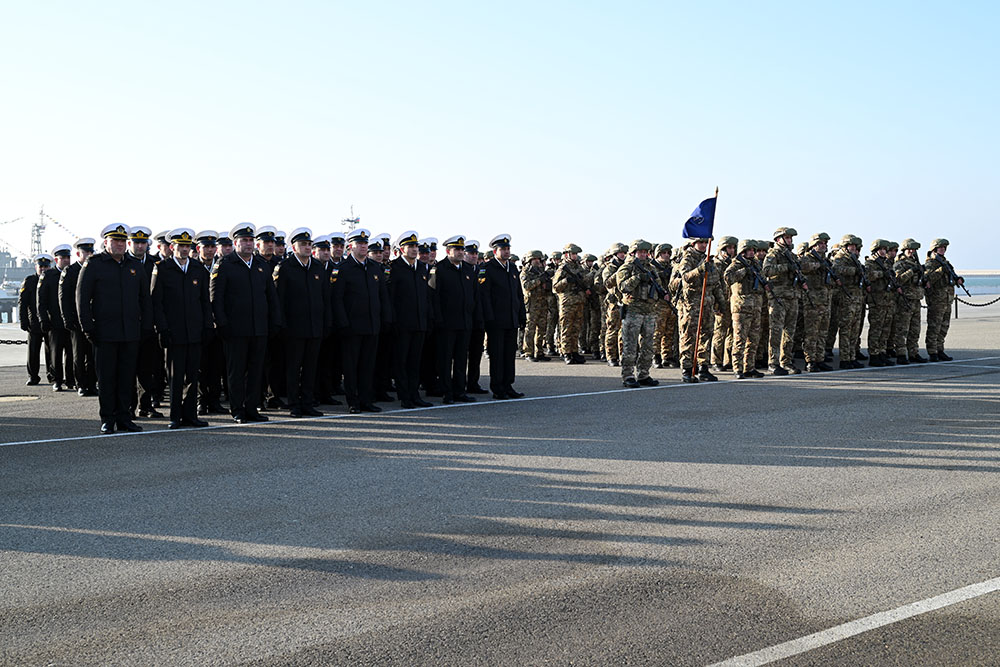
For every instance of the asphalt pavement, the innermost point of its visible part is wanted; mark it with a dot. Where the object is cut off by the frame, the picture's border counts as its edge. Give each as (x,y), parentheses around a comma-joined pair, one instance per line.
(586,524)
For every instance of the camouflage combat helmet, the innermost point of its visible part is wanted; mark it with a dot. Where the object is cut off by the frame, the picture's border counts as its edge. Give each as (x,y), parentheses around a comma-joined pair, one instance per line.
(727,240)
(663,248)
(618,247)
(572,247)
(556,254)
(802,248)
(589,258)
(848,239)
(639,244)
(535,254)
(910,244)
(878,243)
(784,231)
(937,243)
(514,258)
(746,244)
(892,245)
(818,238)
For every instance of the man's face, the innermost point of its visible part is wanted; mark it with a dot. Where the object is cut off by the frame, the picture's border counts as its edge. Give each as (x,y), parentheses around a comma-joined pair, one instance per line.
(852,248)
(571,256)
(40,268)
(62,261)
(663,257)
(138,247)
(423,256)
(502,253)
(321,254)
(820,247)
(375,255)
(472,258)
(455,255)
(279,248)
(892,252)
(83,255)
(786,240)
(642,254)
(881,252)
(206,251)
(536,262)
(181,250)
(701,246)
(941,250)
(227,249)
(360,250)
(337,251)
(911,253)
(116,247)
(433,255)
(730,250)
(165,250)
(410,251)
(302,249)
(265,247)
(620,256)
(749,253)
(761,254)
(244,246)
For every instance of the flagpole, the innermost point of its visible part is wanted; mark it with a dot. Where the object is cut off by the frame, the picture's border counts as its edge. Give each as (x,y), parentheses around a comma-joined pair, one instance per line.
(701,304)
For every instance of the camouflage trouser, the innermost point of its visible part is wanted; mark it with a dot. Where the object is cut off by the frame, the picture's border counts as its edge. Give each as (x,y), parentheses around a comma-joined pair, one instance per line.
(570,325)
(665,334)
(861,323)
(765,328)
(907,339)
(593,318)
(816,324)
(534,330)
(849,322)
(637,344)
(800,324)
(552,303)
(722,340)
(831,333)
(612,337)
(689,329)
(745,311)
(938,319)
(880,309)
(782,316)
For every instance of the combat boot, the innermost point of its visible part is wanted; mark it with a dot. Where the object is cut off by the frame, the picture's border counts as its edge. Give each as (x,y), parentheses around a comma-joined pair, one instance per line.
(917,359)
(648,382)
(846,365)
(755,374)
(876,361)
(718,368)
(823,366)
(705,376)
(580,359)
(614,362)
(933,357)
(861,356)
(672,362)
(687,375)
(778,370)
(902,360)
(630,383)
(857,364)
(741,376)
(812,368)
(944,357)
(568,359)
(888,360)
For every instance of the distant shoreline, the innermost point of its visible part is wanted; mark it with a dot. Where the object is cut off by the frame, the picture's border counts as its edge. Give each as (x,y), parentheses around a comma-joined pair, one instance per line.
(979,272)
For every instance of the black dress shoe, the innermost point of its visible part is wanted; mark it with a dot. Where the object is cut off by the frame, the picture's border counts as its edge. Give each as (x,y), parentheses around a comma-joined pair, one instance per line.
(465,398)
(447,400)
(202,409)
(57,386)
(370,407)
(295,412)
(81,392)
(500,397)
(407,405)
(354,410)
(150,414)
(531,358)
(129,426)
(32,382)
(197,423)
(107,427)
(420,403)
(241,419)
(476,389)
(175,425)
(383,397)
(256,417)
(511,393)
(311,412)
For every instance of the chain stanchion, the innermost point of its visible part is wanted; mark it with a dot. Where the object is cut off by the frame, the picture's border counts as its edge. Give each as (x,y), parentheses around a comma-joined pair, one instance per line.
(977,305)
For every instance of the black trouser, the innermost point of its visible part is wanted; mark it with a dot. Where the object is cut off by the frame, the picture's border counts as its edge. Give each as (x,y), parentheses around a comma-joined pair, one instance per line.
(245,369)
(452,357)
(383,361)
(274,365)
(301,355)
(428,364)
(83,361)
(476,337)
(61,356)
(359,368)
(324,367)
(149,357)
(184,363)
(500,343)
(212,372)
(35,340)
(116,365)
(408,346)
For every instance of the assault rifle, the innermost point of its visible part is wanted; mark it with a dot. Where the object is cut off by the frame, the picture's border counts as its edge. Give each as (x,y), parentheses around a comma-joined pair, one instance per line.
(758,278)
(797,265)
(831,273)
(657,292)
(951,273)
(576,280)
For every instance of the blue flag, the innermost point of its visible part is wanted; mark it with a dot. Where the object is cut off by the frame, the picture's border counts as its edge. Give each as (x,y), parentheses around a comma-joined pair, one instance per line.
(702,221)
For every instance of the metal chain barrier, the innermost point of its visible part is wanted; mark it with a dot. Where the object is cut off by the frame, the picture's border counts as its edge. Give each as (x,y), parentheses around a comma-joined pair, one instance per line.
(977,305)
(13,342)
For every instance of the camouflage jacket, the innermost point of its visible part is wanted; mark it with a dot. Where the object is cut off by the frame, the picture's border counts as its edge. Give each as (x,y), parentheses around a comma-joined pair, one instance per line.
(639,285)
(817,269)
(693,270)
(741,279)
(851,271)
(879,272)
(722,262)
(779,270)
(910,274)
(571,282)
(608,279)
(535,283)
(940,274)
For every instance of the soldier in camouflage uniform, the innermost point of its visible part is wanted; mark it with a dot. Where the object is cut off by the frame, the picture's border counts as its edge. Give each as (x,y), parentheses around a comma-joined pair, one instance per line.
(891,251)
(831,333)
(593,313)
(852,274)
(697,273)
(612,305)
(823,281)
(722,340)
(641,290)
(665,334)
(781,268)
(765,326)
(800,330)
(572,284)
(553,304)
(536,284)
(746,294)
(910,274)
(881,302)
(940,293)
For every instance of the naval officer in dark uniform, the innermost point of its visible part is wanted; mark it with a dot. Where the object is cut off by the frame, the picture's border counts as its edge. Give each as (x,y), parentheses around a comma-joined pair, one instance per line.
(455,298)
(50,317)
(504,314)
(183,315)
(245,306)
(477,337)
(83,351)
(409,294)
(212,374)
(150,368)
(303,288)
(116,311)
(360,306)
(27,315)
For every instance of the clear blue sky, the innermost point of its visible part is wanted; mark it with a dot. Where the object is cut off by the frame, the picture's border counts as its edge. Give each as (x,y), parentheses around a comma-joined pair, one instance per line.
(553,121)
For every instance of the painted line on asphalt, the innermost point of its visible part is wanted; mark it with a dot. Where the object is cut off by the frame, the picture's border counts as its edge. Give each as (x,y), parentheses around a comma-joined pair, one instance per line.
(835,634)
(401,411)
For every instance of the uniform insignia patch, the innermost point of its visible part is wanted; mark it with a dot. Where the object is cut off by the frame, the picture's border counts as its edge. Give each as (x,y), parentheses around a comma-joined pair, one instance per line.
(260,269)
(194,282)
(315,277)
(375,277)
(133,271)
